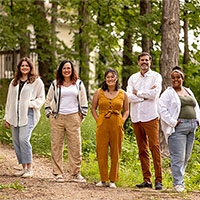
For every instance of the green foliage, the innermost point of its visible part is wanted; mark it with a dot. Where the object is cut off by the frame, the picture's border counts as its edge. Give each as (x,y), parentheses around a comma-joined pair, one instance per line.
(130,169)
(88,129)
(40,139)
(15,186)
(192,79)
(4,83)
(193,167)
(5,134)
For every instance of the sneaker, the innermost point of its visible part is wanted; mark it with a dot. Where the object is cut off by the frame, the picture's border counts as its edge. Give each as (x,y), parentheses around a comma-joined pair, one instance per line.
(101,184)
(158,186)
(20,172)
(144,185)
(28,173)
(179,188)
(59,178)
(78,178)
(112,185)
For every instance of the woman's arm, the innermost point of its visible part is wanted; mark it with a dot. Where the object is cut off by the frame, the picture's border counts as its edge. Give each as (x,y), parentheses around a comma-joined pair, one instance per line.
(95,105)
(125,107)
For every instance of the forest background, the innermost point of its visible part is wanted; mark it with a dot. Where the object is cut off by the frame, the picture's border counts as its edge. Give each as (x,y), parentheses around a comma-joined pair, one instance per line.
(105,33)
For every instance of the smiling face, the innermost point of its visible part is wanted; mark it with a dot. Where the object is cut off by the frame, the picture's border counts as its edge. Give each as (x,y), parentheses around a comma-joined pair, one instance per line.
(144,63)
(111,79)
(25,68)
(176,80)
(67,70)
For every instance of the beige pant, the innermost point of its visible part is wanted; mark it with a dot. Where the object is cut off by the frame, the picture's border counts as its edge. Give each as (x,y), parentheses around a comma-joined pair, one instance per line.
(68,125)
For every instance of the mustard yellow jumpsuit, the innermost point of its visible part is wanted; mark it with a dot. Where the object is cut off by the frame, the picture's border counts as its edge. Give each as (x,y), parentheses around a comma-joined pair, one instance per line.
(109,133)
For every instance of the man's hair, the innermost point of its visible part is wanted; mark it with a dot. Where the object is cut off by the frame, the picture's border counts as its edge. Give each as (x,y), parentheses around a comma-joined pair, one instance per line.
(144,54)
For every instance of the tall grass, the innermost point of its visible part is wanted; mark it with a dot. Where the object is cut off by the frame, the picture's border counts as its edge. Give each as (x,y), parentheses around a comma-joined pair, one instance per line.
(130,169)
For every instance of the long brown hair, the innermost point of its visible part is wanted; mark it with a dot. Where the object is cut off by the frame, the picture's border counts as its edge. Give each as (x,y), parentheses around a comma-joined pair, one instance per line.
(31,76)
(59,76)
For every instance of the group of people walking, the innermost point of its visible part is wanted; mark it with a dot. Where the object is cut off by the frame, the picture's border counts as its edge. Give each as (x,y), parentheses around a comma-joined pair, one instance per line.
(66,106)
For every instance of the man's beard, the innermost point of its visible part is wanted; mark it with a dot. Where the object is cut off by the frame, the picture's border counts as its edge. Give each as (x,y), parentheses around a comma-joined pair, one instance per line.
(144,67)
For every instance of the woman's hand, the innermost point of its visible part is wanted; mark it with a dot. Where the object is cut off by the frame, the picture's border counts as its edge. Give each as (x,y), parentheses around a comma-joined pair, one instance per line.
(6,124)
(81,116)
(178,122)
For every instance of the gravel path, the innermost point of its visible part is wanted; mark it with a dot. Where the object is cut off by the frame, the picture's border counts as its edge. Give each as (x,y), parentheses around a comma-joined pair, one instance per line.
(42,185)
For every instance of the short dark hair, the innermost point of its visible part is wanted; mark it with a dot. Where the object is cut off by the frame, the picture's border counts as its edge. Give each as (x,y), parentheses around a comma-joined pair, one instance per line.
(144,54)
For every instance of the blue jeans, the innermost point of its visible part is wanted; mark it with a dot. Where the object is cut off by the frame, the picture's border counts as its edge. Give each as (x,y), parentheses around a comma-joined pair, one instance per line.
(21,140)
(180,148)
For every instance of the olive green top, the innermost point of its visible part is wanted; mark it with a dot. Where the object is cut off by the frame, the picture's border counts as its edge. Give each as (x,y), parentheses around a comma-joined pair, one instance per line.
(187,107)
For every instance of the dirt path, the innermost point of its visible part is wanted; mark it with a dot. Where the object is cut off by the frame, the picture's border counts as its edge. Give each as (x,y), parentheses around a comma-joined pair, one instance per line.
(43,187)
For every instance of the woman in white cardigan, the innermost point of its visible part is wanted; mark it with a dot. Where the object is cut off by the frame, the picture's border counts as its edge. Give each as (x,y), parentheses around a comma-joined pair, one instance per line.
(26,95)
(180,116)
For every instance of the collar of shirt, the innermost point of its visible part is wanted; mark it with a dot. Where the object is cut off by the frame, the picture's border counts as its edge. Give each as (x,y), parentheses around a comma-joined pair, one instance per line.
(148,73)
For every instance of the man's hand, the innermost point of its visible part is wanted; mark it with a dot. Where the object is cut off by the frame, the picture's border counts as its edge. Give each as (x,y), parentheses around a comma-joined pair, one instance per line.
(135,92)
(154,86)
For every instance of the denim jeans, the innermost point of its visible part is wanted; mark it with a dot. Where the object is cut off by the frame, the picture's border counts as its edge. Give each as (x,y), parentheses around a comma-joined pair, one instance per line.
(180,148)
(21,140)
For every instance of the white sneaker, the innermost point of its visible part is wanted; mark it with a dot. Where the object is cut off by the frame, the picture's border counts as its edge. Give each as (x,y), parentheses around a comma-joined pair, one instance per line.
(28,173)
(59,178)
(20,172)
(112,185)
(179,188)
(101,184)
(78,178)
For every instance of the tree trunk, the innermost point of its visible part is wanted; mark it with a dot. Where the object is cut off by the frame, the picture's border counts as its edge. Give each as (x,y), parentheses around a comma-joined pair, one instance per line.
(83,44)
(169,48)
(54,13)
(185,28)
(45,54)
(170,39)
(145,9)
(128,49)
(24,46)
(101,63)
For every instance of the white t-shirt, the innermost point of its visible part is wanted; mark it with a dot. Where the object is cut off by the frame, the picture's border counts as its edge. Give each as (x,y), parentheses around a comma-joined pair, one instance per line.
(68,100)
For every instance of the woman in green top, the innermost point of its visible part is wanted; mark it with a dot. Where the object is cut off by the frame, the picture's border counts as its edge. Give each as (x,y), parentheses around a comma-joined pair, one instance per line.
(180,116)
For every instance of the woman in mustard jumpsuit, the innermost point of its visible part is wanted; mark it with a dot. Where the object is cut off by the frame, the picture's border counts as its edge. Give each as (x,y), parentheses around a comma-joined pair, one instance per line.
(110,101)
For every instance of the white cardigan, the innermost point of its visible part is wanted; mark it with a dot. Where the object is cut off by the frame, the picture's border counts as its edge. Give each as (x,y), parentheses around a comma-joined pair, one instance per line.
(169,106)
(31,96)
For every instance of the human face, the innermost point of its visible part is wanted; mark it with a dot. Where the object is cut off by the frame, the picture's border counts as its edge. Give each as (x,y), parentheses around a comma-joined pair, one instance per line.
(176,79)
(144,63)
(111,79)
(25,68)
(67,70)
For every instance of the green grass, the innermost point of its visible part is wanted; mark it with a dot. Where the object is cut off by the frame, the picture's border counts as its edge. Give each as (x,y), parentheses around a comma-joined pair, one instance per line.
(130,169)
(15,186)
